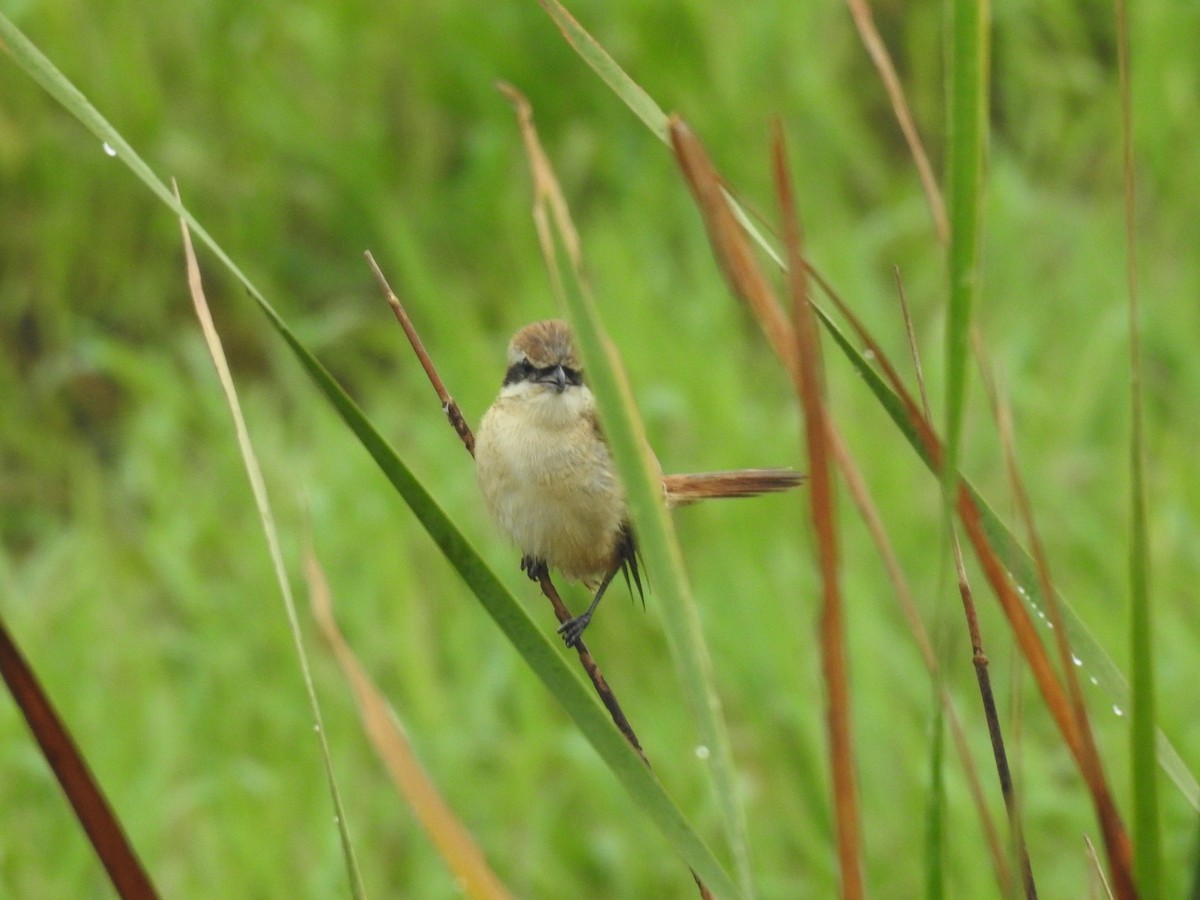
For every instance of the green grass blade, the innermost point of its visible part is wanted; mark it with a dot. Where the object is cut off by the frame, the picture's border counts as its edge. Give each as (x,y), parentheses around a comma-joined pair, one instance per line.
(1147,830)
(1100,668)
(656,537)
(526,637)
(1102,672)
(258,487)
(590,51)
(967,138)
(1147,836)
(935,815)
(1194,893)
(35,64)
(541,656)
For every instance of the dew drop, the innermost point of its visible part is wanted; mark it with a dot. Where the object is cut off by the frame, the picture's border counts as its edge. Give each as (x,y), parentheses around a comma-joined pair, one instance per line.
(868,354)
(109,149)
(1117,710)
(1075,659)
(702,752)
(1094,680)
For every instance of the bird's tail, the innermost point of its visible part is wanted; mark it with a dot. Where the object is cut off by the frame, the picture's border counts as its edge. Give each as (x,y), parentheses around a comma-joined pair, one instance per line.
(681,490)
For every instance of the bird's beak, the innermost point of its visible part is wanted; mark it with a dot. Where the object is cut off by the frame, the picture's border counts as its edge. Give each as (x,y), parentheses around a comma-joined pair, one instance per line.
(556,377)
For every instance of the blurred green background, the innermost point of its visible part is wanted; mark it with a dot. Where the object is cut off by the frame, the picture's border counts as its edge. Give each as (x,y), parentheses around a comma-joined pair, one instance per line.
(133,568)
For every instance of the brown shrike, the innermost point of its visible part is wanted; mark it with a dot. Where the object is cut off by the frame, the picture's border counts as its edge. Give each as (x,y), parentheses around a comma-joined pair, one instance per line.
(548,478)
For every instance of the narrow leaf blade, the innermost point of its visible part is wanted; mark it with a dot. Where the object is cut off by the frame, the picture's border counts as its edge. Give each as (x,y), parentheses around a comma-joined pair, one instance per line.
(562,682)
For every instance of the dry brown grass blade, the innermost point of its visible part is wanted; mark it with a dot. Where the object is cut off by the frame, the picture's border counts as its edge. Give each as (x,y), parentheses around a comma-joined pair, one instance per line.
(730,244)
(740,267)
(919,421)
(1022,626)
(1097,870)
(1053,693)
(810,388)
(997,575)
(1116,840)
(452,839)
(546,195)
(864,21)
(908,607)
(212,340)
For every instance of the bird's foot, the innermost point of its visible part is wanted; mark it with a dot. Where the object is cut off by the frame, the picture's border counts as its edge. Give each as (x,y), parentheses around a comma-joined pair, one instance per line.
(534,568)
(572,629)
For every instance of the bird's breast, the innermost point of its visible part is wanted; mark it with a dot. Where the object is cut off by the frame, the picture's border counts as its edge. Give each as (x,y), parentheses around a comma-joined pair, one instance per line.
(549,482)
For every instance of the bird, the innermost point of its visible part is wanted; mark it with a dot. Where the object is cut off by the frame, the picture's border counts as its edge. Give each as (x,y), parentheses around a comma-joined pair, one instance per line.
(548,479)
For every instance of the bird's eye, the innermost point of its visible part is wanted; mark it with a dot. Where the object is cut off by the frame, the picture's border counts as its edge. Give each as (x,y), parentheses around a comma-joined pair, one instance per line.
(574,376)
(518,372)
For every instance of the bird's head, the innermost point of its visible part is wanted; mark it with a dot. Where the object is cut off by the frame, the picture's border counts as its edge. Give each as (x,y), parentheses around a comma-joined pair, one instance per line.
(542,355)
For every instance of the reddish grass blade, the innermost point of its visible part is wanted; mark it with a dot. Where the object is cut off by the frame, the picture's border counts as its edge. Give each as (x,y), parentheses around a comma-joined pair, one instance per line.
(980,659)
(731,245)
(1058,703)
(87,800)
(1115,839)
(732,248)
(835,668)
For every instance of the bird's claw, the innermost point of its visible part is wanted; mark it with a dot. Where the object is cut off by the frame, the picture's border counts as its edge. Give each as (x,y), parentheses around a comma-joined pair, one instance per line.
(572,629)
